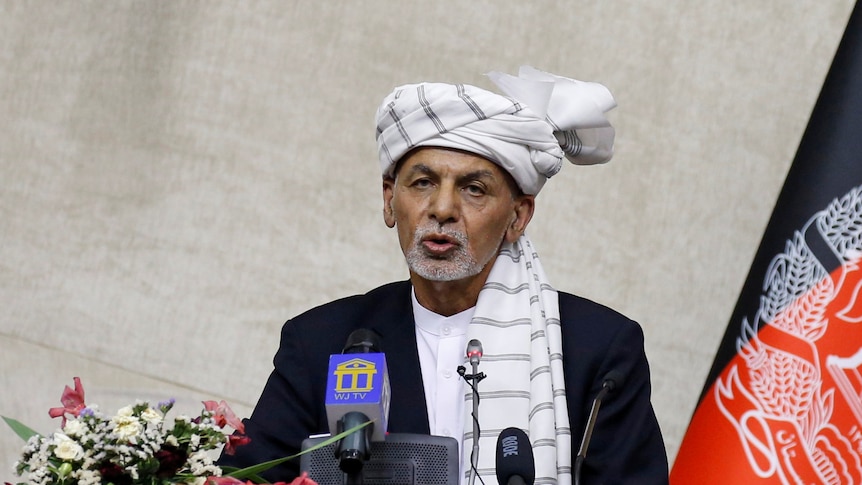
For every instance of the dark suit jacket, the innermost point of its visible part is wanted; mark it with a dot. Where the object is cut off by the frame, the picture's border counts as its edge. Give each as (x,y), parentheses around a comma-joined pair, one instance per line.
(626,446)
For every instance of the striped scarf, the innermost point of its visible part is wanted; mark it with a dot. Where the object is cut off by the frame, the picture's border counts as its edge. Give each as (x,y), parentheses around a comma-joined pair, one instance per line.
(517,319)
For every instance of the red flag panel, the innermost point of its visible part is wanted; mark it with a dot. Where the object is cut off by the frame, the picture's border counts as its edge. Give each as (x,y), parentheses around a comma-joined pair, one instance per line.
(787,409)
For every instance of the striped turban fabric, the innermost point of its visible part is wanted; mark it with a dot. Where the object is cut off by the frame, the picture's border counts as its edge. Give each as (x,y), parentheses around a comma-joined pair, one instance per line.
(540,120)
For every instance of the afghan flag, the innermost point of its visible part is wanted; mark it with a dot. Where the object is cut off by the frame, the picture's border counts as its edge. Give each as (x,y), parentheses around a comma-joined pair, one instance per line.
(783,401)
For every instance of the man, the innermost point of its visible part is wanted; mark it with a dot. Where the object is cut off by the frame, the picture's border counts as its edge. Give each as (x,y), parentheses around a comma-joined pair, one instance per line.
(461,167)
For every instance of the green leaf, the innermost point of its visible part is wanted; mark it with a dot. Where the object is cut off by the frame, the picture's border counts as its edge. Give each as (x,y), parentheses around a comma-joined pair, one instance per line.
(20,428)
(252,471)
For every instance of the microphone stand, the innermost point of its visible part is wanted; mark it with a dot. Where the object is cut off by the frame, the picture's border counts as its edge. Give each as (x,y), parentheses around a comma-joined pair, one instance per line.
(609,384)
(474,379)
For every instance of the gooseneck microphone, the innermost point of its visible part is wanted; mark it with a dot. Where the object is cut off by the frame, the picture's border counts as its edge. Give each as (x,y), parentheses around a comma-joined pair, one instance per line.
(474,355)
(613,380)
(515,463)
(357,392)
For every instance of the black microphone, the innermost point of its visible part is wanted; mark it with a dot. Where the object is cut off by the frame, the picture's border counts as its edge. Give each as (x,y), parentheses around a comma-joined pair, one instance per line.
(613,380)
(362,341)
(357,392)
(515,462)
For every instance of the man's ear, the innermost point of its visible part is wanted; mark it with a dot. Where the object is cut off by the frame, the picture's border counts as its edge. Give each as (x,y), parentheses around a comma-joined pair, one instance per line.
(523,212)
(388,192)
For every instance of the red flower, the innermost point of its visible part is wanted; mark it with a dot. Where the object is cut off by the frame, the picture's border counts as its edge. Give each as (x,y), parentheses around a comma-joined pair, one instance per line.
(300,480)
(72,401)
(235,440)
(303,480)
(112,473)
(226,481)
(170,460)
(223,414)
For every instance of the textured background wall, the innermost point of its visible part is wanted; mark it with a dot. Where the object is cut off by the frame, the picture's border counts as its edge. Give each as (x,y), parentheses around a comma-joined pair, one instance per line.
(178,178)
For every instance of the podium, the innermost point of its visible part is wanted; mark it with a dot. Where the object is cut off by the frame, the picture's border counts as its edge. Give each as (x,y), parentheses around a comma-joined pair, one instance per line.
(401,459)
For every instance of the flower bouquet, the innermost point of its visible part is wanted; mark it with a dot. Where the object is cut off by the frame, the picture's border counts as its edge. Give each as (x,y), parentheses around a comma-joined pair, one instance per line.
(137,445)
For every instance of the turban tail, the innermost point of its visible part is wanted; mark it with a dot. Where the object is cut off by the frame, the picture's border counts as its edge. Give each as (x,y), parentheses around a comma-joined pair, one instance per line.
(541,119)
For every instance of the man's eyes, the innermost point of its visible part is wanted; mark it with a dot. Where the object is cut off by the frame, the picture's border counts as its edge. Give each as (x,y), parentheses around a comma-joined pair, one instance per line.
(474,189)
(471,188)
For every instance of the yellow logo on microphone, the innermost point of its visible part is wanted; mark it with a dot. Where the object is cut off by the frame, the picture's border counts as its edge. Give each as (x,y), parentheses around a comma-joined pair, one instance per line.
(355,375)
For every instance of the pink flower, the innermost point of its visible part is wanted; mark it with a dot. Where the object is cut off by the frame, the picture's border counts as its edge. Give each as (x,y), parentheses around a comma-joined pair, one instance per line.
(303,480)
(235,440)
(223,414)
(300,480)
(72,401)
(225,481)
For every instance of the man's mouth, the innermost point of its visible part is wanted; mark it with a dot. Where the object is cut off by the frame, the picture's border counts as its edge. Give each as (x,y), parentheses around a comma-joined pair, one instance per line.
(439,244)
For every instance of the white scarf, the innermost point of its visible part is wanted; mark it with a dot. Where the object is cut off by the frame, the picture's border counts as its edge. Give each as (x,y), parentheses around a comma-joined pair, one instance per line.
(517,320)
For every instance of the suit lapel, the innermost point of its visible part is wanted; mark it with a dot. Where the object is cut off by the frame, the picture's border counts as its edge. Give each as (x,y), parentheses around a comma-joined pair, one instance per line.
(393,320)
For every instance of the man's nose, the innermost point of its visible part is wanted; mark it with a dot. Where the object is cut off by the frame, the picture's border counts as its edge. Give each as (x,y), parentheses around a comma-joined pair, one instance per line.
(445,206)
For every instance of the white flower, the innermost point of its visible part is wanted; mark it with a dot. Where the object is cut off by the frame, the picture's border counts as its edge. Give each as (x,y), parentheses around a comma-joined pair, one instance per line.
(66,448)
(125,411)
(129,439)
(88,477)
(201,464)
(40,476)
(151,416)
(75,427)
(126,427)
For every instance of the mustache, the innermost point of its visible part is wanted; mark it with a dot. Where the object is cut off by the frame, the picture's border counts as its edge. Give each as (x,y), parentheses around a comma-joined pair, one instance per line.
(431,229)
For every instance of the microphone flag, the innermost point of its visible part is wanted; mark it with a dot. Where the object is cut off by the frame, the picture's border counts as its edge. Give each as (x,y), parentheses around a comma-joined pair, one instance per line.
(783,401)
(358,383)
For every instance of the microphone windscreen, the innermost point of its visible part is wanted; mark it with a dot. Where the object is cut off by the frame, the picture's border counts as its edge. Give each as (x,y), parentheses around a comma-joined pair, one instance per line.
(613,380)
(363,341)
(515,457)
(474,351)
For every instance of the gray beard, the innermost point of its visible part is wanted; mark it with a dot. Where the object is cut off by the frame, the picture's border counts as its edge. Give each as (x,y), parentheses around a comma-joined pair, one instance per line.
(458,265)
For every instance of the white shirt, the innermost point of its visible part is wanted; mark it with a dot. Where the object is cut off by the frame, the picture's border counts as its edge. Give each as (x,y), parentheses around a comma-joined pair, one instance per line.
(442,343)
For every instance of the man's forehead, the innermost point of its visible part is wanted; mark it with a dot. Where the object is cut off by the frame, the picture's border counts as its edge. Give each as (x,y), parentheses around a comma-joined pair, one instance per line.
(458,162)
(459,171)
(462,164)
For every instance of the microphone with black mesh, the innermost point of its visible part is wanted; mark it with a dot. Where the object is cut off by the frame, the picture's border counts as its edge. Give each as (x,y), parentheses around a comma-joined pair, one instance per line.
(515,463)
(613,380)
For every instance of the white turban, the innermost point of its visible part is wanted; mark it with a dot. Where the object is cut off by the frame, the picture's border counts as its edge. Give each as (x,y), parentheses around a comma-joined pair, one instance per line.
(541,119)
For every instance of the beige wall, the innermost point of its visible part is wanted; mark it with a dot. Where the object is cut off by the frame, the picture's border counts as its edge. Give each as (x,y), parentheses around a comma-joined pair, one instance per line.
(178,178)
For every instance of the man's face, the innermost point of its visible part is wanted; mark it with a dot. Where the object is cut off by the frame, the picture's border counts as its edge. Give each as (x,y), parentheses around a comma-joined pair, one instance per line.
(453,210)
